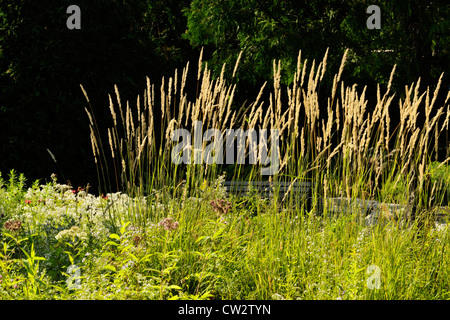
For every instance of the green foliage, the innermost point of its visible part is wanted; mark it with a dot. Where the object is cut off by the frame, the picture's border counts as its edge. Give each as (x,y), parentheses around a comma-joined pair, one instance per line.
(264,31)
(440,172)
(412,35)
(440,180)
(22,277)
(272,255)
(60,244)
(11,192)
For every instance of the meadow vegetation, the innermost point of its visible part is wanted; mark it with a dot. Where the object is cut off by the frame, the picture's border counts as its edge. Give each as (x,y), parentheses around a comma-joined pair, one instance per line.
(172,232)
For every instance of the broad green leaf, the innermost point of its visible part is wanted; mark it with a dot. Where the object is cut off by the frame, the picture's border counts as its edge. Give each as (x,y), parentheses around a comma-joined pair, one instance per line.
(110,267)
(126,248)
(133,256)
(173,286)
(107,254)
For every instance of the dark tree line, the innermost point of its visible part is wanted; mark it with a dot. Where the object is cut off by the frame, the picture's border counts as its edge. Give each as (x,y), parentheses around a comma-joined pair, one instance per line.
(42,63)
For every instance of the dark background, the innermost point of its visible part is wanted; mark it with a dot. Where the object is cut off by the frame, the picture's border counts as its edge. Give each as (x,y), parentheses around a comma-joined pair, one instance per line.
(42,63)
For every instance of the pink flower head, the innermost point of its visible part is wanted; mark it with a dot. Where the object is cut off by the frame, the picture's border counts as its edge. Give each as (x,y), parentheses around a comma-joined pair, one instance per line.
(221,206)
(169,224)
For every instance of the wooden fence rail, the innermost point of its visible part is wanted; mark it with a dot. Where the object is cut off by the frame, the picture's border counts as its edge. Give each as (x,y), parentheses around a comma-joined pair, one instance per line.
(301,190)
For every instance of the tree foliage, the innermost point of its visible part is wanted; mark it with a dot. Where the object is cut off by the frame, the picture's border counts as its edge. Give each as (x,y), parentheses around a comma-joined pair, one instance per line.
(414,35)
(265,30)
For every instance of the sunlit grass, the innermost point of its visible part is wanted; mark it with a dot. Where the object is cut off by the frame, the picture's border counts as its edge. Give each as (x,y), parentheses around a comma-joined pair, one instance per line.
(173,232)
(203,252)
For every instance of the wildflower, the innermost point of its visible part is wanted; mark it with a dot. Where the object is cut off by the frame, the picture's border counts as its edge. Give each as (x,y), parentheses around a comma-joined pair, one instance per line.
(13,225)
(137,239)
(168,224)
(73,232)
(27,201)
(130,264)
(277,296)
(221,206)
(204,185)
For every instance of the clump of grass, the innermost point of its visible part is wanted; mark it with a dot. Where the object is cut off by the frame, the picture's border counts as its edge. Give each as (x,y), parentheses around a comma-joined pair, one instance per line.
(172,232)
(349,152)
